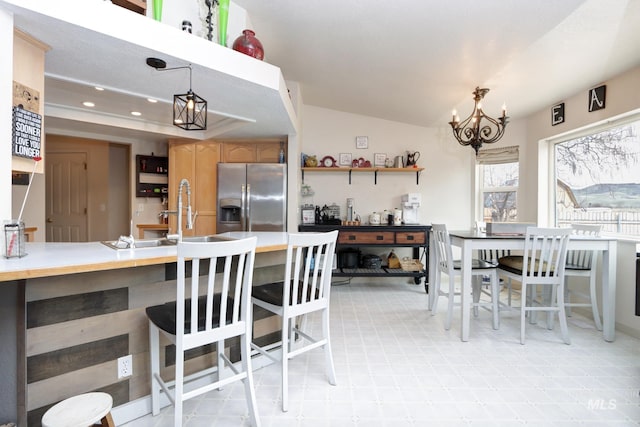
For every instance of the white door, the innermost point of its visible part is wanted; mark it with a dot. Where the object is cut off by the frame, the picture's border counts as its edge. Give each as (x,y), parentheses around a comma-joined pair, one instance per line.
(66,197)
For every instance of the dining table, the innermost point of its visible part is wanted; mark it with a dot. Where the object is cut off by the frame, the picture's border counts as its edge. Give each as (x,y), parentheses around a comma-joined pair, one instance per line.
(470,241)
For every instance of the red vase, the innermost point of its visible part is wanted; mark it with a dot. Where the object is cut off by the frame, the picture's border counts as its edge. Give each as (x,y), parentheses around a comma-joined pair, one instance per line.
(248,44)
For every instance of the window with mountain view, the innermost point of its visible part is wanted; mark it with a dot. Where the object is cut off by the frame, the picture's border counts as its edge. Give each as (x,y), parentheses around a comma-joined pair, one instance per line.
(598,180)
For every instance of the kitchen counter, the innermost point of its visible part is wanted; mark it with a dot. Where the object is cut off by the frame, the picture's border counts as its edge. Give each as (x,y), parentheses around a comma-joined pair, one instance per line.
(70,310)
(54,259)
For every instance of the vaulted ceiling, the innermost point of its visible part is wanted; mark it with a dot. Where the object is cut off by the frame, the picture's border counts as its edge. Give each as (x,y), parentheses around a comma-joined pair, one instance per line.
(408,61)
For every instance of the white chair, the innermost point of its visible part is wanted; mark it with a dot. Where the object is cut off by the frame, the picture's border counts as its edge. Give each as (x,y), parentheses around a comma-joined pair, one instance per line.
(222,312)
(492,256)
(306,289)
(452,268)
(581,264)
(541,264)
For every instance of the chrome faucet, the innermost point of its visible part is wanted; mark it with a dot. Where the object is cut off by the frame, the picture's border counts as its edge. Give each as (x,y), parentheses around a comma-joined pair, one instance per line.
(183,183)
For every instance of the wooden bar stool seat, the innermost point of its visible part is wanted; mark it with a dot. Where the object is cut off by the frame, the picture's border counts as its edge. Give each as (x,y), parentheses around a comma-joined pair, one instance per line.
(83,410)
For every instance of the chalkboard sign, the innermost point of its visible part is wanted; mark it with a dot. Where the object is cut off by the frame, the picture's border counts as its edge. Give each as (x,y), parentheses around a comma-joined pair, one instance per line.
(26,133)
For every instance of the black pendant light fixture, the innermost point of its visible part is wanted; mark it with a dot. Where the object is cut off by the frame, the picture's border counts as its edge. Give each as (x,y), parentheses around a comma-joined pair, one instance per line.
(478,128)
(189,110)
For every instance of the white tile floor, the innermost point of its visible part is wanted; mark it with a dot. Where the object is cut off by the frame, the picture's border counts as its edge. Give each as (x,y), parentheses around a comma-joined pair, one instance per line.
(397,366)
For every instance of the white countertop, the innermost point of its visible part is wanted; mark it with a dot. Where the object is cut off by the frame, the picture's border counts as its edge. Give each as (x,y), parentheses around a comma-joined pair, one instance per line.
(52,259)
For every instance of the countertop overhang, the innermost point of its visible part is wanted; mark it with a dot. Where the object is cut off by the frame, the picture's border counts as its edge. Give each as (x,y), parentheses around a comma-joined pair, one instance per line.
(54,259)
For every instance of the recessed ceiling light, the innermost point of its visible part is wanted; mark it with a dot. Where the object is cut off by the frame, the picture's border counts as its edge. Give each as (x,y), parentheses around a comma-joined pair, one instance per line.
(136,113)
(88,104)
(151,100)
(98,88)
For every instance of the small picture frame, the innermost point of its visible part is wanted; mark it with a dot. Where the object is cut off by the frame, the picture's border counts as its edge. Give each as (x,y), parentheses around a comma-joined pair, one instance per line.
(344,159)
(362,142)
(379,159)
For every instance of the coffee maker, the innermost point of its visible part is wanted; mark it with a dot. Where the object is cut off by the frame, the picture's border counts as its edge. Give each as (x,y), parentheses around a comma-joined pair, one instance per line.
(410,204)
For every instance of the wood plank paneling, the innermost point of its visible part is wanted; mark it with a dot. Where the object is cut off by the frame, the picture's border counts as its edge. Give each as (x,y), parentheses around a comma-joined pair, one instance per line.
(59,362)
(63,309)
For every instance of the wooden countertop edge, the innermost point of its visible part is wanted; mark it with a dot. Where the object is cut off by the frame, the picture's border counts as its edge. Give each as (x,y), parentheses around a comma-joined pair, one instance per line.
(271,248)
(83,268)
(102,266)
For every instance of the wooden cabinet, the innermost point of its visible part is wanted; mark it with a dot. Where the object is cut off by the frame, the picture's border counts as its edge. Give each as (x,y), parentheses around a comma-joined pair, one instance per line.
(239,153)
(360,237)
(348,237)
(261,151)
(198,163)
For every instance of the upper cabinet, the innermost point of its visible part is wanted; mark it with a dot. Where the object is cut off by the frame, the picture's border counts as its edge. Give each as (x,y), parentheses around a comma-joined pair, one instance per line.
(262,151)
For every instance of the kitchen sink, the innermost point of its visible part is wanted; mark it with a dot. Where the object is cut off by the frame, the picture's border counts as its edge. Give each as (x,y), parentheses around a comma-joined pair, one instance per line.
(139,244)
(155,243)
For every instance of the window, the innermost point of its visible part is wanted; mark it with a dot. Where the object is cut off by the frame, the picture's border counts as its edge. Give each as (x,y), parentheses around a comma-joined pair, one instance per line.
(498,171)
(598,179)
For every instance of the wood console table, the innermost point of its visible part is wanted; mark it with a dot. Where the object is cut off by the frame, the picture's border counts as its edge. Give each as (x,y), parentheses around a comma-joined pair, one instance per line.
(408,236)
(151,227)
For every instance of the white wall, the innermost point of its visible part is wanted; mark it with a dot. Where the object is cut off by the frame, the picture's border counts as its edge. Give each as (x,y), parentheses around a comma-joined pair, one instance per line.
(446,176)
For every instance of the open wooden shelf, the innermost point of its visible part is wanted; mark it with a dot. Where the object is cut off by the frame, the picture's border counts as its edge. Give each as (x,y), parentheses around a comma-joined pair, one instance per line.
(375,171)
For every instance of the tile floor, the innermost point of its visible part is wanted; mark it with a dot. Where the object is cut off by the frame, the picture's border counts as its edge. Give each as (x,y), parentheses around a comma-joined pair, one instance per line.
(397,366)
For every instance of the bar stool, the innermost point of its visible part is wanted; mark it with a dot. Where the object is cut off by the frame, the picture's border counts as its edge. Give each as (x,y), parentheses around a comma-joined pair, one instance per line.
(82,410)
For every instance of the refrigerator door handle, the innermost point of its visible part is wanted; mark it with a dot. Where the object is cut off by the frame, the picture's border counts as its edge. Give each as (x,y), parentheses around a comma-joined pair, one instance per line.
(248,207)
(243,207)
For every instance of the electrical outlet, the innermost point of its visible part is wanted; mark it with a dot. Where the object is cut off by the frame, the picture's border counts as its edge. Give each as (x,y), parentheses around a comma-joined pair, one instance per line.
(125,366)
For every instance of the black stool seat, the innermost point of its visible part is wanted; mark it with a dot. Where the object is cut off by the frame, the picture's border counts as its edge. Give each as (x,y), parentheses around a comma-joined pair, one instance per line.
(272,293)
(164,315)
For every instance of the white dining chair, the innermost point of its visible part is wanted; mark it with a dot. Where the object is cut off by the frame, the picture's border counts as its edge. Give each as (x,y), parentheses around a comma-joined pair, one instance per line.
(492,256)
(581,263)
(306,289)
(541,264)
(212,305)
(452,268)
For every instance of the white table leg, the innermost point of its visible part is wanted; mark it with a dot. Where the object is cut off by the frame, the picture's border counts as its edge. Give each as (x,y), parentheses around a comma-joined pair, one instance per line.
(433,291)
(609,292)
(465,291)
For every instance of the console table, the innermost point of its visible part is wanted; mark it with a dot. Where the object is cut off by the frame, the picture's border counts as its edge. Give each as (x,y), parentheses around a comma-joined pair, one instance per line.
(408,236)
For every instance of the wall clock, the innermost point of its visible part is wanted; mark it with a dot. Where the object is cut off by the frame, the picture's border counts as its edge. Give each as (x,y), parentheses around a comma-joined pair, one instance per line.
(328,162)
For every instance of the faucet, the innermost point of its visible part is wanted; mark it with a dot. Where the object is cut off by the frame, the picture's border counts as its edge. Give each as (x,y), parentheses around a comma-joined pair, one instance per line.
(183,183)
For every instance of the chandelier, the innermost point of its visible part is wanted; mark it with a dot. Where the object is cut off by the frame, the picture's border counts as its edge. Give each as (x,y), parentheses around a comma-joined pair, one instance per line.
(473,130)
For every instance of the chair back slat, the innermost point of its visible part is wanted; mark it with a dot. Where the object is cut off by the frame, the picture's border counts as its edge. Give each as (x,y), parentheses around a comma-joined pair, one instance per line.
(232,281)
(545,251)
(443,247)
(583,258)
(308,267)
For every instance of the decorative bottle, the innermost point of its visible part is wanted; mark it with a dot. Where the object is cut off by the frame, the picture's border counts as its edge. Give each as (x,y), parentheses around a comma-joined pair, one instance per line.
(248,44)
(281,154)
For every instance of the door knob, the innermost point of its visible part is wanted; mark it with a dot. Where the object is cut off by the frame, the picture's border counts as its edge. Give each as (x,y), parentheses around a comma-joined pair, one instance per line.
(49,220)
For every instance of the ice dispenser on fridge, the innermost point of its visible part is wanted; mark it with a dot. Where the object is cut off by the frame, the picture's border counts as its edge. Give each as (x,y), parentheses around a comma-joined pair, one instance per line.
(230,211)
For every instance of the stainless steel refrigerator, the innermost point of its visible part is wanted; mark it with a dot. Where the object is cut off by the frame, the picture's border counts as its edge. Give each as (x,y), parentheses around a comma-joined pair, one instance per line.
(252,197)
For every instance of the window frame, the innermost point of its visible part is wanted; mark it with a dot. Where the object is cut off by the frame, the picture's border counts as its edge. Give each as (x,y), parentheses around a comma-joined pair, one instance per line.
(547,177)
(495,156)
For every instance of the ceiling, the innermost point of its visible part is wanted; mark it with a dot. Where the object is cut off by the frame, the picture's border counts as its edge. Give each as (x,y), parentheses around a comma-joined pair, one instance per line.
(414,61)
(406,61)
